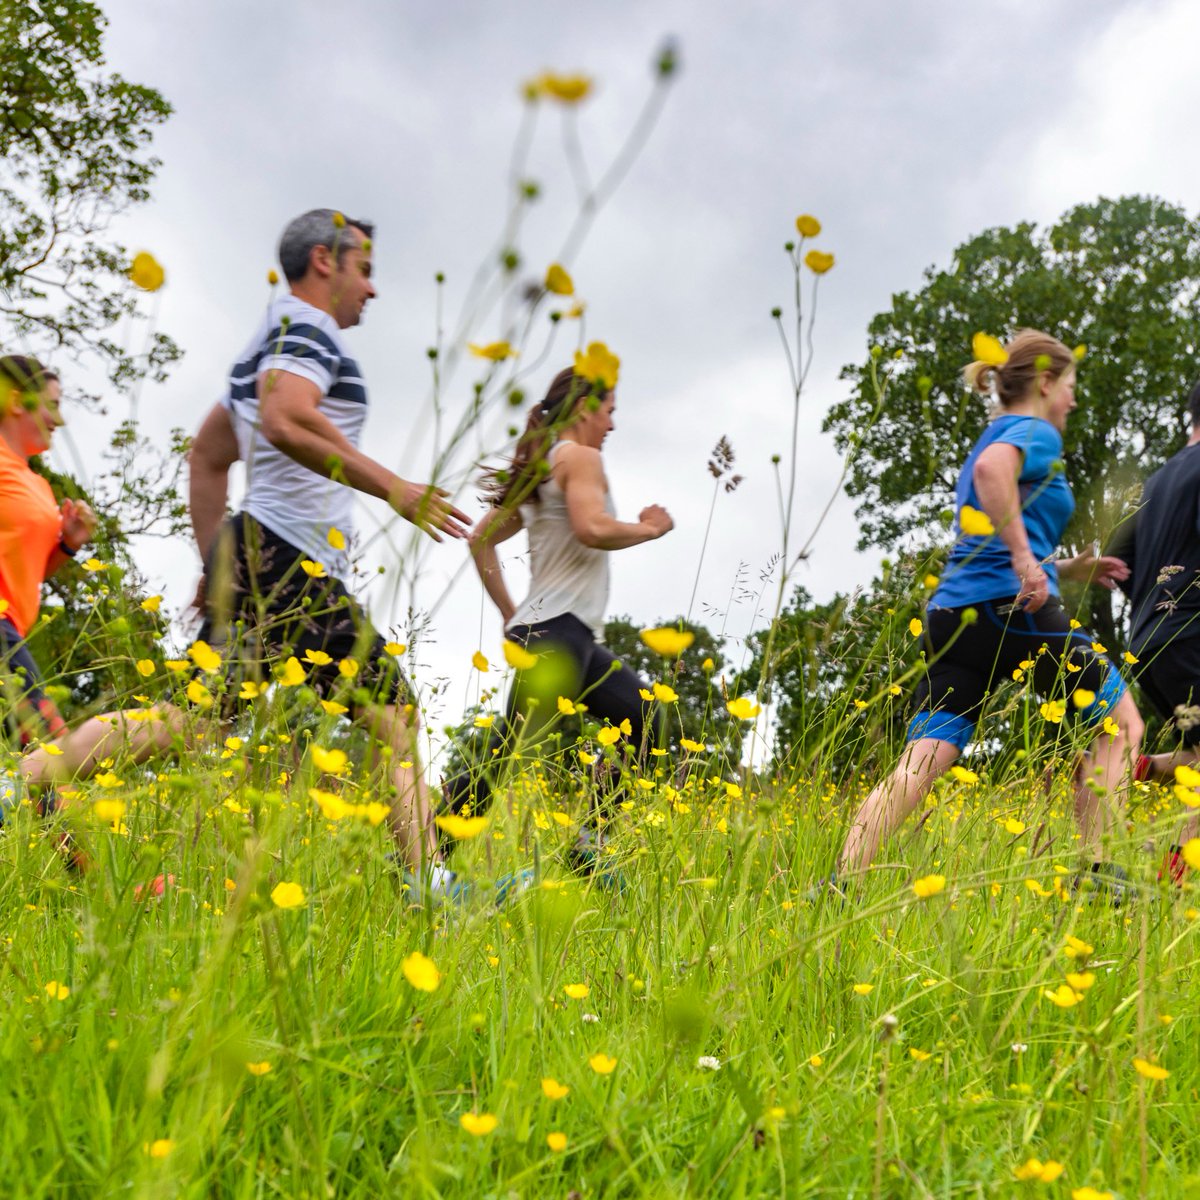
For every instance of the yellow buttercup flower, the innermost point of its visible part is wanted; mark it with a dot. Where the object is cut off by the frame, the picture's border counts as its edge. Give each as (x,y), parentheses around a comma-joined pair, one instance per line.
(566,89)
(1077,948)
(333,708)
(1191,853)
(478,1124)
(818,262)
(553,1090)
(394,649)
(1089,1193)
(974,523)
(692,747)
(314,570)
(205,657)
(198,694)
(598,364)
(915,627)
(668,642)
(291,674)
(988,349)
(1041,1172)
(919,1055)
(329,762)
(664,694)
(556,1141)
(493,351)
(151,603)
(251,690)
(287,895)
(608,735)
(566,707)
(159,1148)
(1081,697)
(1149,1070)
(109,811)
(336,538)
(518,657)
(461,828)
(602,1064)
(348,668)
(318,658)
(1013,826)
(807,226)
(57,991)
(1081,980)
(963,774)
(558,281)
(929,885)
(1054,711)
(577,991)
(145,667)
(479,661)
(863,989)
(743,708)
(424,976)
(259,1068)
(1064,996)
(146,272)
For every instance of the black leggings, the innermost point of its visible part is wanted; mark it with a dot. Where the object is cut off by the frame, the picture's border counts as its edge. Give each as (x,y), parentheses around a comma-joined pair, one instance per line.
(578,668)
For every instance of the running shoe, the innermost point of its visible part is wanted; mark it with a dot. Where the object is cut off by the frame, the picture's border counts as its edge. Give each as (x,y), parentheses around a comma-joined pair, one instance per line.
(1105,881)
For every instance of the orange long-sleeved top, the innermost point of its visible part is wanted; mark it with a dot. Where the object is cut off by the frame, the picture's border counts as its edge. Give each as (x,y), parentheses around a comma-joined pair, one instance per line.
(30,526)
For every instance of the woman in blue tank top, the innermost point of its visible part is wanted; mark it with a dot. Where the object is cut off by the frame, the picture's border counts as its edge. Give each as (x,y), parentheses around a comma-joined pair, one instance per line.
(998,608)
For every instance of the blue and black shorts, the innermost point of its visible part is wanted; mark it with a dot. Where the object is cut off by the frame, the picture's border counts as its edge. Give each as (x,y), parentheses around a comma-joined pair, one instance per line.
(968,658)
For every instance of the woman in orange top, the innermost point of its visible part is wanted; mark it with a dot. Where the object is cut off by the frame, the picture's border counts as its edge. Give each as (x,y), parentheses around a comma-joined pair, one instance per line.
(37,536)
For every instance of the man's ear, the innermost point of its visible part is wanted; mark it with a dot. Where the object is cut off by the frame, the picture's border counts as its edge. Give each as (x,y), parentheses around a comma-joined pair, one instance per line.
(320,260)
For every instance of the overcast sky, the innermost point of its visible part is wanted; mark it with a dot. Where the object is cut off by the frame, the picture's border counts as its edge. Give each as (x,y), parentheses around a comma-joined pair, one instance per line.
(904,127)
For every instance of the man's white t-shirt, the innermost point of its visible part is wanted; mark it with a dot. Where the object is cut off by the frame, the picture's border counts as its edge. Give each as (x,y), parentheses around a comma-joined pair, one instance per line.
(298,504)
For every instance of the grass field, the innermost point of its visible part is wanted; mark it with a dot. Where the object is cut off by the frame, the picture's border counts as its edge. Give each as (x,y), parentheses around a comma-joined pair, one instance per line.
(283,1021)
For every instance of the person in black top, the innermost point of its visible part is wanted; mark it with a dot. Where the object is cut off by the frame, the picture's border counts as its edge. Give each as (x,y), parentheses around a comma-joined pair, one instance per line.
(1160,542)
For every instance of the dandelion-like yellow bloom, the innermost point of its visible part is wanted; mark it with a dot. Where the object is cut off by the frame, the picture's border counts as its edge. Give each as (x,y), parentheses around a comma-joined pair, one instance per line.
(566,89)
(818,262)
(478,1124)
(1013,826)
(1089,1193)
(807,225)
(205,657)
(963,774)
(329,762)
(314,570)
(108,811)
(1053,711)
(1191,853)
(974,523)
(493,351)
(608,735)
(318,658)
(146,272)
(291,674)
(915,627)
(198,694)
(668,642)
(1081,980)
(159,1148)
(151,603)
(929,885)
(394,649)
(1063,996)
(461,828)
(1149,1070)
(919,1055)
(336,538)
(602,1064)
(577,991)
(1081,697)
(479,661)
(988,349)
(743,708)
(287,895)
(863,989)
(421,972)
(145,667)
(558,281)
(664,694)
(598,364)
(1036,1170)
(566,707)
(1077,947)
(518,657)
(556,1141)
(553,1090)
(57,991)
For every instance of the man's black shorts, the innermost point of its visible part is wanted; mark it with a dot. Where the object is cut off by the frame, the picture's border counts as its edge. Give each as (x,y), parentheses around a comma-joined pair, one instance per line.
(1170,677)
(261,606)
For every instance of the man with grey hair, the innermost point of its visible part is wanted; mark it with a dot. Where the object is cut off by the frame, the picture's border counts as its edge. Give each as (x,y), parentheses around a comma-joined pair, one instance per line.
(272,587)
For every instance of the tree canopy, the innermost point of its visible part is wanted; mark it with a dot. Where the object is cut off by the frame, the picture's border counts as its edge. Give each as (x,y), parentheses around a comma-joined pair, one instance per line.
(1120,277)
(74,153)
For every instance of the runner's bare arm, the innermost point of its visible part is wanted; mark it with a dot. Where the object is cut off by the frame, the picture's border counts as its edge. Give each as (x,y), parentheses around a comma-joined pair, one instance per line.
(580,474)
(293,423)
(495,526)
(214,450)
(995,477)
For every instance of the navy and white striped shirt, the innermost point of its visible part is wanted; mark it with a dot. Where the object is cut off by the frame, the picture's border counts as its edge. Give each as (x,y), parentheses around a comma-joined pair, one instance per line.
(298,504)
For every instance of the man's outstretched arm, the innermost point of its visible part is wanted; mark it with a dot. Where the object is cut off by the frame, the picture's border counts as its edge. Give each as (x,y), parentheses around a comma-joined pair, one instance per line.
(214,450)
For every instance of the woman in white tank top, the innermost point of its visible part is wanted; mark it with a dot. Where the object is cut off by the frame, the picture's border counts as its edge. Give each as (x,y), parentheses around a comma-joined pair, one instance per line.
(556,489)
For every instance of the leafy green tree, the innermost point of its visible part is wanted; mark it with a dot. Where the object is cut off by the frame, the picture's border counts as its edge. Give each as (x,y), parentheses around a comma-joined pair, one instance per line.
(1121,277)
(73,155)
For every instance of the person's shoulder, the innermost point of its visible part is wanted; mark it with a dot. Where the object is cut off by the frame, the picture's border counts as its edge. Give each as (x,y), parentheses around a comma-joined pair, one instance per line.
(292,316)
(573,457)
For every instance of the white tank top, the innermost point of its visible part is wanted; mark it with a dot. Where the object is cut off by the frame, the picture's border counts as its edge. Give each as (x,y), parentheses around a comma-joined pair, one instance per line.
(568,577)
